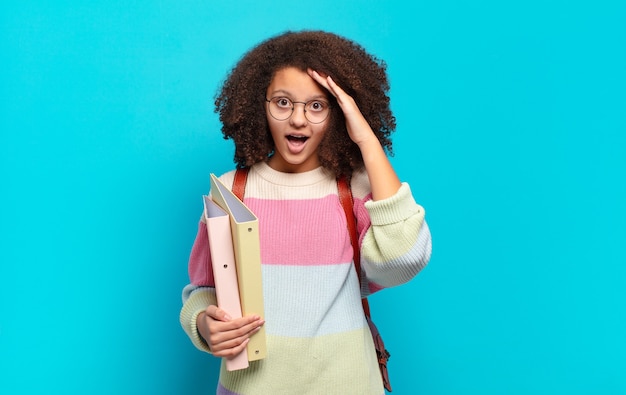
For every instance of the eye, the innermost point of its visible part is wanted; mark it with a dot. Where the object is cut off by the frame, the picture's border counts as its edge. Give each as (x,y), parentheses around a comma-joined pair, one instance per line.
(283,102)
(317,106)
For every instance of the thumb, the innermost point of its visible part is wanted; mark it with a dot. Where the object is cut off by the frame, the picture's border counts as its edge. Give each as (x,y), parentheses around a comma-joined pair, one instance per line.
(217,314)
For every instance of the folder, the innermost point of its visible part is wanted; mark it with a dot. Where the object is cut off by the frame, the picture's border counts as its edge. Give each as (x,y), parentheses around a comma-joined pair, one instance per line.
(244,227)
(224,270)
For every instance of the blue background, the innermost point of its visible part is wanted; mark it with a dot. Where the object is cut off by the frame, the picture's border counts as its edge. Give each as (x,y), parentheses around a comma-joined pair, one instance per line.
(511,131)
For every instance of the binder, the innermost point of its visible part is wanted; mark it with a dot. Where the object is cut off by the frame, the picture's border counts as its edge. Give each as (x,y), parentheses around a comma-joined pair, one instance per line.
(224,270)
(245,235)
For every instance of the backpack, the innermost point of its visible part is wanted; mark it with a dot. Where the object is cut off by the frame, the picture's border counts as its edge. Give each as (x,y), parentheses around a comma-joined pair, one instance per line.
(345,197)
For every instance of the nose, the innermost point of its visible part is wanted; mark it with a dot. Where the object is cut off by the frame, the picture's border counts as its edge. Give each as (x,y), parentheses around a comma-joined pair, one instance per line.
(297,116)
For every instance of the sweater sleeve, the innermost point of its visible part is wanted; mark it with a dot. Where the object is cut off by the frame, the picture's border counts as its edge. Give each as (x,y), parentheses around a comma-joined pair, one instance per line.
(195,301)
(200,293)
(397,244)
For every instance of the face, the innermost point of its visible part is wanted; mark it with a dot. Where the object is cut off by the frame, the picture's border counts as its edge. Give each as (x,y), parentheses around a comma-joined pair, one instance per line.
(296,139)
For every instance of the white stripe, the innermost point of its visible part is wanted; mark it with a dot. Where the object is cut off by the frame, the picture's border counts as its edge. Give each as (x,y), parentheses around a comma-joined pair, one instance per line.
(306,301)
(403,268)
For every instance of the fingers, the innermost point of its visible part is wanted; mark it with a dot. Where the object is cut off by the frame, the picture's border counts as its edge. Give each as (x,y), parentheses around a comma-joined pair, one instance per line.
(323,81)
(235,328)
(327,82)
(231,352)
(316,76)
(217,314)
(337,91)
(224,346)
(358,128)
(225,336)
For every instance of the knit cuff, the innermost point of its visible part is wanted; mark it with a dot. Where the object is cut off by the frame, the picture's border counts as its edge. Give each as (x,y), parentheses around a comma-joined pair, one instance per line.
(394,209)
(197,302)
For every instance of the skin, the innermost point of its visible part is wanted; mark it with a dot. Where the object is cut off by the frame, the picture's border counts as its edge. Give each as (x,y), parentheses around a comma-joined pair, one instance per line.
(226,337)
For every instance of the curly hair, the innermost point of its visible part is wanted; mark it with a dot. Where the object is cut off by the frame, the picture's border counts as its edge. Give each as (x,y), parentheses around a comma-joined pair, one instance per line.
(241,100)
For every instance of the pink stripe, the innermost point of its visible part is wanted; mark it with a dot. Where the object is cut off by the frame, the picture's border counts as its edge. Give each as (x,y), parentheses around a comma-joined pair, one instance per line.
(200,271)
(302,232)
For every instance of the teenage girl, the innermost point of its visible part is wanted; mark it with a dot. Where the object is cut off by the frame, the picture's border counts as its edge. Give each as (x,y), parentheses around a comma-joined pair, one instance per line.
(304,108)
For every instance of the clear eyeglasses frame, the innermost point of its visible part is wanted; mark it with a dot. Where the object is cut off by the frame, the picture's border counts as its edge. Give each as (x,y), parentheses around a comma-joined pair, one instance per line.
(281,108)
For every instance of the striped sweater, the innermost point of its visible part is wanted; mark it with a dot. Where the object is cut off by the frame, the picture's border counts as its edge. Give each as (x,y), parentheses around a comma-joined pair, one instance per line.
(317,337)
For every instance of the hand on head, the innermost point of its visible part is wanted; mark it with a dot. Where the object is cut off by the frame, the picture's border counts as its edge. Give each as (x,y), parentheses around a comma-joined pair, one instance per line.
(357,126)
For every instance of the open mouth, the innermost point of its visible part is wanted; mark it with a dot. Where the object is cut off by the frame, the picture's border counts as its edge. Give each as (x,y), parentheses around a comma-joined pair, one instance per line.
(297,139)
(296,143)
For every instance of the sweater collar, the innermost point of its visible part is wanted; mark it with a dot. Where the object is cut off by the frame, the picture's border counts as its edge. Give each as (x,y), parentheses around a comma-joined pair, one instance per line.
(291,179)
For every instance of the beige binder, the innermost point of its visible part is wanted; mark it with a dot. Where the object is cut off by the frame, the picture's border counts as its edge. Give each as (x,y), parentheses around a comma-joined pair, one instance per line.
(224,270)
(246,243)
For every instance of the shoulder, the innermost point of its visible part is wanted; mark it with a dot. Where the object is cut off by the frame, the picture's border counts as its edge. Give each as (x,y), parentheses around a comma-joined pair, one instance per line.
(228,178)
(360,184)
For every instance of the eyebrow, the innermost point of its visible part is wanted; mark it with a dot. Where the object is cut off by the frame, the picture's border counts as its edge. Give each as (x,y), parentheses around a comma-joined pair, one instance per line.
(289,95)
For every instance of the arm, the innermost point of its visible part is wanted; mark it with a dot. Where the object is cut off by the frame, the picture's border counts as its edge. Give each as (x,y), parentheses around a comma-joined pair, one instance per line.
(396,243)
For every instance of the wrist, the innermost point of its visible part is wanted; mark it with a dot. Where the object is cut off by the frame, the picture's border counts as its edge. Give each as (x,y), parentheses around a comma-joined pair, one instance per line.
(200,320)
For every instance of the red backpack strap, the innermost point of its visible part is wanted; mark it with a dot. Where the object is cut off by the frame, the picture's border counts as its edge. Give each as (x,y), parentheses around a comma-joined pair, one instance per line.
(345,197)
(239,183)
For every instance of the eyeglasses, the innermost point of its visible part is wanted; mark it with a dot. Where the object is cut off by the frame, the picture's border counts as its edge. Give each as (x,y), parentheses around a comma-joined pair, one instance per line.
(315,111)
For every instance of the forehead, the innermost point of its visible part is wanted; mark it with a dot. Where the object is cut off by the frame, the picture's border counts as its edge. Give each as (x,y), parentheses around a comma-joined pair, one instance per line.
(295,83)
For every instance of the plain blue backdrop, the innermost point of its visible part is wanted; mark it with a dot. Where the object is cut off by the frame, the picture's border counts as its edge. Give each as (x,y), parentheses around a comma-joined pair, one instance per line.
(511,131)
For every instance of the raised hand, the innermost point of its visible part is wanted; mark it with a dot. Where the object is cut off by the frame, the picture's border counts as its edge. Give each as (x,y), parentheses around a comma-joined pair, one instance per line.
(359,130)
(382,176)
